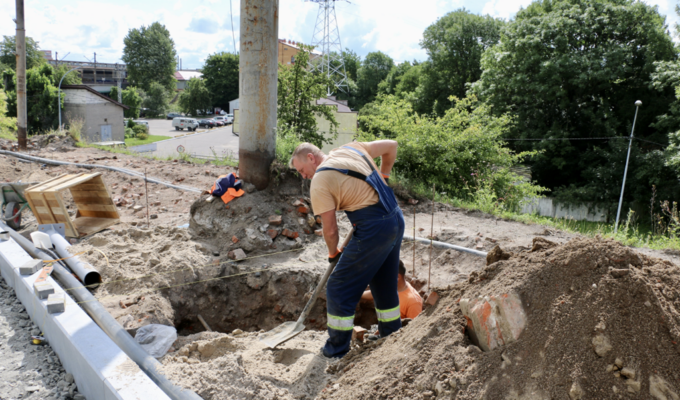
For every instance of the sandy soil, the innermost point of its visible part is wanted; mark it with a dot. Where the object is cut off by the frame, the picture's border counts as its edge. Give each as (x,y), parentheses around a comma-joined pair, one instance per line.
(164,274)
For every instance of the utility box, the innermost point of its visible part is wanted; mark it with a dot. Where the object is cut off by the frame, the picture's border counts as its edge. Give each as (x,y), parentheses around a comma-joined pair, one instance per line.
(95,210)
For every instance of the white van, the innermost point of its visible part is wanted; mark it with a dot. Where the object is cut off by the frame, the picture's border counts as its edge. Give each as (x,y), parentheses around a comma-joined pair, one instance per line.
(182,122)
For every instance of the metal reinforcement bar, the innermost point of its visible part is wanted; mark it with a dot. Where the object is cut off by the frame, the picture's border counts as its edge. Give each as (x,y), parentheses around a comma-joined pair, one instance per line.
(446,246)
(106,322)
(115,169)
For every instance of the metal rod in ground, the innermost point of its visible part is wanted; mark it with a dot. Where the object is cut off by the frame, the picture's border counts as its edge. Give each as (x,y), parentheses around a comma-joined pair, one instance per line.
(205,324)
(414,242)
(429,269)
(146,189)
(625,171)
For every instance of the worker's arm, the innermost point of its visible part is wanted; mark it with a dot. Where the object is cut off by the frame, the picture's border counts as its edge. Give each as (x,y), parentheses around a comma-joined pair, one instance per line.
(387,151)
(330,231)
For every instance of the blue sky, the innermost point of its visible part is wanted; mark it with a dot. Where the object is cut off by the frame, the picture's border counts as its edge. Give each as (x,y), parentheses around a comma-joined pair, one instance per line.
(203,27)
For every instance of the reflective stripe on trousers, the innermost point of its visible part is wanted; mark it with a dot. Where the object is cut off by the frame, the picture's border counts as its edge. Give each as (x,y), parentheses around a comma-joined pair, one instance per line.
(340,323)
(388,315)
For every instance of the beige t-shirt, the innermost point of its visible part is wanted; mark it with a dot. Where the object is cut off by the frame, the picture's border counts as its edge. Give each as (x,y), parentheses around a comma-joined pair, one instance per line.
(332,190)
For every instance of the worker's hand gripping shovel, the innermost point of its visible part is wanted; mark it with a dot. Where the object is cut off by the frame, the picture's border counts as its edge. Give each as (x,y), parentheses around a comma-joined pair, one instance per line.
(290,329)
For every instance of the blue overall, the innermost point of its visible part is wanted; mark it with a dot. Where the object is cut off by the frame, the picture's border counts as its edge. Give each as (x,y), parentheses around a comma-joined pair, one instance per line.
(371,257)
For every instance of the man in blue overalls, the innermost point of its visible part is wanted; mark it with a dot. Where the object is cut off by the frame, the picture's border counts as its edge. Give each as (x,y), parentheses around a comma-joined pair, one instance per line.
(348,180)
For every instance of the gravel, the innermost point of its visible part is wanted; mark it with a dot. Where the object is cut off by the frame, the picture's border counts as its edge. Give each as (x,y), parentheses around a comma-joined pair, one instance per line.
(28,371)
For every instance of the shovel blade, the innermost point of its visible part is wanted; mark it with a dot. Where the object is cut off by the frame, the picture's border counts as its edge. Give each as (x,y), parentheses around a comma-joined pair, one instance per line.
(282,333)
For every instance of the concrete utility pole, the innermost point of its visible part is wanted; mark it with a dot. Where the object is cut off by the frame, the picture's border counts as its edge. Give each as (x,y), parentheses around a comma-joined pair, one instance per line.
(95,68)
(22,117)
(257,89)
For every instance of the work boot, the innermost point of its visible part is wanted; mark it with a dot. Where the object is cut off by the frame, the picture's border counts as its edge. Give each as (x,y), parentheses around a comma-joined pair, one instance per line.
(375,337)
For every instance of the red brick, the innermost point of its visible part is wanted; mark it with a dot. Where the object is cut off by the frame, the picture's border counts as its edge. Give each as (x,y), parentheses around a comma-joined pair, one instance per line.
(307,231)
(303,210)
(234,239)
(275,220)
(273,233)
(432,298)
(290,234)
(358,333)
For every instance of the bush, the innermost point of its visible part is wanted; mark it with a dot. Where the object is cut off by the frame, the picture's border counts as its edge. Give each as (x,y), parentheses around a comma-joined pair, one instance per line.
(286,142)
(461,153)
(129,133)
(142,135)
(139,129)
(131,123)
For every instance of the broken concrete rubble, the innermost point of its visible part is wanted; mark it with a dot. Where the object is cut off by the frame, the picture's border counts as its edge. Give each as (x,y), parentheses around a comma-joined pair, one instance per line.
(237,254)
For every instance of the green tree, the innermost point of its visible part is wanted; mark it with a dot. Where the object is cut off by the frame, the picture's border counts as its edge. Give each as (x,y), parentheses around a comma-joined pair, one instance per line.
(454,45)
(113,94)
(573,69)
(375,67)
(157,99)
(8,51)
(298,92)
(461,152)
(41,93)
(221,72)
(72,78)
(352,63)
(195,99)
(133,99)
(149,53)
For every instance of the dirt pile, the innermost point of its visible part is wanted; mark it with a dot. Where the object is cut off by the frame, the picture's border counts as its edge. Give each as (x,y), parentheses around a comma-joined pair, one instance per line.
(603,322)
(237,366)
(260,222)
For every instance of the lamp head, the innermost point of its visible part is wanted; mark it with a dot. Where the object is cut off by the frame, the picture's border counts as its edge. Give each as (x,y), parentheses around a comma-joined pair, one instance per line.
(638,103)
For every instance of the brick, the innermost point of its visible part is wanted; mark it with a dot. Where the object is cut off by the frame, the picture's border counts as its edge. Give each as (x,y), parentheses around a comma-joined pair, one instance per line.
(43,289)
(494,321)
(318,232)
(290,234)
(30,267)
(307,231)
(358,333)
(273,233)
(303,210)
(275,220)
(234,239)
(237,254)
(56,303)
(432,298)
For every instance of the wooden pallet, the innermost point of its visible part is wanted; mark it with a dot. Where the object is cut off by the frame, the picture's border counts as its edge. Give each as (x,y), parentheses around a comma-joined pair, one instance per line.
(95,209)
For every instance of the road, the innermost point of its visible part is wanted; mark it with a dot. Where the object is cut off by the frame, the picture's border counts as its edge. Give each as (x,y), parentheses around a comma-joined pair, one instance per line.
(220,142)
(163,127)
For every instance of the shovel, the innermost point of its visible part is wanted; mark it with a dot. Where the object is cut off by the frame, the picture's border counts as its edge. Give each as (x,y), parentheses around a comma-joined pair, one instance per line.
(290,329)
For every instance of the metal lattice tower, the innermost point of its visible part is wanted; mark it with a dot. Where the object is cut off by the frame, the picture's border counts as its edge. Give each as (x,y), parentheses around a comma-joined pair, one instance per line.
(326,39)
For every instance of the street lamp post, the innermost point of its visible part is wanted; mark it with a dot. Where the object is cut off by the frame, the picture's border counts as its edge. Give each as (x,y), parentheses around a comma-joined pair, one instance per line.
(59,95)
(625,171)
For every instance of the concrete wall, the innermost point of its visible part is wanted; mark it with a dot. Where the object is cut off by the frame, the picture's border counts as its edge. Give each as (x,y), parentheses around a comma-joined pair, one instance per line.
(233,105)
(347,129)
(546,207)
(95,112)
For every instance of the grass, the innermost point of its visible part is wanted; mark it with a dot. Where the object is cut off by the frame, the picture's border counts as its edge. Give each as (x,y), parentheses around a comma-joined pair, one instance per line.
(150,139)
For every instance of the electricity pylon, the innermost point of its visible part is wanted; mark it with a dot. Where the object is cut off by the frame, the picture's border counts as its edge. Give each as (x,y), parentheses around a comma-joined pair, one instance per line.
(326,39)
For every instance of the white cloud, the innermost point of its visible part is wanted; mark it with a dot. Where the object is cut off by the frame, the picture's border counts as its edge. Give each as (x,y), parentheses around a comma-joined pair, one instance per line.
(505,9)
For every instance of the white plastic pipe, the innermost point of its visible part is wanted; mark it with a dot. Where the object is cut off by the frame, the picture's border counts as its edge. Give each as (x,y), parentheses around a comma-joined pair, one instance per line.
(447,246)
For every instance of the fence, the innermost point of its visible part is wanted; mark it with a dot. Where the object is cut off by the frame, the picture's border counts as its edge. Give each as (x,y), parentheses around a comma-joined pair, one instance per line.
(547,207)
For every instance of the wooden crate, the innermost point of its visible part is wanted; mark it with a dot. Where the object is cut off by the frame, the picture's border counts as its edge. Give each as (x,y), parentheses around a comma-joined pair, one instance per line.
(95,209)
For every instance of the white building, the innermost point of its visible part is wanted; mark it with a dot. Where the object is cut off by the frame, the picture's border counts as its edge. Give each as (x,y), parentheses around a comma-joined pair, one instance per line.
(183,77)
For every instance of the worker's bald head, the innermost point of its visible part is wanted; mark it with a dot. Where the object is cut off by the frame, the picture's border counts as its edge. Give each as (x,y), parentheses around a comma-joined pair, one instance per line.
(305,159)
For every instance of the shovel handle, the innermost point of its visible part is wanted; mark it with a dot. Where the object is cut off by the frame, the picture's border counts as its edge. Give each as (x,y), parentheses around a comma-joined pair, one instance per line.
(321,284)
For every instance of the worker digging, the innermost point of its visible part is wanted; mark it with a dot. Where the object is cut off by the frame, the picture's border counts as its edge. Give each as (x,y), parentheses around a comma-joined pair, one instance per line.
(348,180)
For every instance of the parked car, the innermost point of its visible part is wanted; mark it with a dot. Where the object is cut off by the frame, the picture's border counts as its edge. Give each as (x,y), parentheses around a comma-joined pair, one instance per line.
(182,122)
(218,122)
(209,123)
(230,118)
(173,115)
(221,119)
